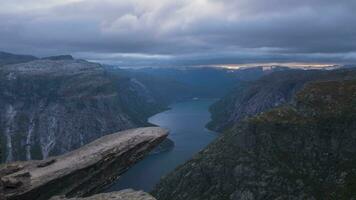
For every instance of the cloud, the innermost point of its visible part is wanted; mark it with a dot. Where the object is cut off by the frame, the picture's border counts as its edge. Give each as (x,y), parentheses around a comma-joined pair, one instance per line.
(184,32)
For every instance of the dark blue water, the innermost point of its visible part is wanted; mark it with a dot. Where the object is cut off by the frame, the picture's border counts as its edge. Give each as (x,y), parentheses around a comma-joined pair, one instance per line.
(186,122)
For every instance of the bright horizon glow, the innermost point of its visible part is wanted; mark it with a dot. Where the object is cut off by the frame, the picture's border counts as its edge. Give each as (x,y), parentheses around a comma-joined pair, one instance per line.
(165,33)
(290,64)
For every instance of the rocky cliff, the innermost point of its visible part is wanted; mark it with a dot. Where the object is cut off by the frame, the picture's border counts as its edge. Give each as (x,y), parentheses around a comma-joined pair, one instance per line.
(300,151)
(81,172)
(273,90)
(51,106)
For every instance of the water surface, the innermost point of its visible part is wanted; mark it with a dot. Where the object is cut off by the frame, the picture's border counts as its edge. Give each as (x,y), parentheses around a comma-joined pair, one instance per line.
(186,122)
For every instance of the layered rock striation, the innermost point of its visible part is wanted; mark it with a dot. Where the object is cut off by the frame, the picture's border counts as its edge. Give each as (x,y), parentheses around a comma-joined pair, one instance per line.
(82,172)
(52,106)
(127,194)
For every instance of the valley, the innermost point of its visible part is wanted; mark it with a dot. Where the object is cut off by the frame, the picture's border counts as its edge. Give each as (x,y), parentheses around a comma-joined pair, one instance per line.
(299,147)
(232,134)
(186,124)
(177,100)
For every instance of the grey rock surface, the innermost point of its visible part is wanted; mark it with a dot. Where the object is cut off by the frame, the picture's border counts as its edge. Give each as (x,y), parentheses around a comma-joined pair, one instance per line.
(127,194)
(84,171)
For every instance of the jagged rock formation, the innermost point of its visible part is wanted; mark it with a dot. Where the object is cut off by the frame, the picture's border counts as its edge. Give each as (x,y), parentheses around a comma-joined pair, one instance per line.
(121,195)
(51,106)
(276,89)
(81,172)
(302,151)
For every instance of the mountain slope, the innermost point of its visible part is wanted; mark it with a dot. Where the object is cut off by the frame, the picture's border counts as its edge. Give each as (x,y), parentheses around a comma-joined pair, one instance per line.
(48,107)
(302,151)
(273,90)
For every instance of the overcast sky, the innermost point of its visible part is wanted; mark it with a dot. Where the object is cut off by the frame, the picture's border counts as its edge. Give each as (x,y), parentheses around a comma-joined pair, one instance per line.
(182,32)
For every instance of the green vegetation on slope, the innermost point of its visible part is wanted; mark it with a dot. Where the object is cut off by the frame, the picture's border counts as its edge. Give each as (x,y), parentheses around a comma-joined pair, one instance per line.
(273,90)
(301,151)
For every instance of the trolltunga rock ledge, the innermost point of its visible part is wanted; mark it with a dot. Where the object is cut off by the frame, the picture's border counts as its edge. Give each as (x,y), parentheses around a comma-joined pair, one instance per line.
(82,172)
(127,194)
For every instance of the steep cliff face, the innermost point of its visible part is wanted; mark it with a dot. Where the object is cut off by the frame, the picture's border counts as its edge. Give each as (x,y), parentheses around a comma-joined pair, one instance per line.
(302,151)
(48,107)
(82,172)
(273,90)
(127,194)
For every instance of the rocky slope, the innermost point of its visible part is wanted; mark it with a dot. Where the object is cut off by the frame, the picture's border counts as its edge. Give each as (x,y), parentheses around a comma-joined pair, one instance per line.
(51,106)
(273,90)
(300,151)
(81,172)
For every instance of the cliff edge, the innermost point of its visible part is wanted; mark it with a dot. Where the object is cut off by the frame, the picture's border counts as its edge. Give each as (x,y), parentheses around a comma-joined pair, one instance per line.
(82,172)
(128,194)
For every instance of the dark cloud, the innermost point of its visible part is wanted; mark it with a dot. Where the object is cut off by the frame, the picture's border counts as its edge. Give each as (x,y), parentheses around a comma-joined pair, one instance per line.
(185,32)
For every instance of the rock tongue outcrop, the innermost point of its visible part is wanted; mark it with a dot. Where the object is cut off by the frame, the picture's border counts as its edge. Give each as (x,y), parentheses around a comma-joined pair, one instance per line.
(121,195)
(82,172)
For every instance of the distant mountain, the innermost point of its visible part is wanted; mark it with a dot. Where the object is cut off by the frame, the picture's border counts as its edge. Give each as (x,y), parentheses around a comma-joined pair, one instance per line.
(349,66)
(207,81)
(60,57)
(165,89)
(303,150)
(8,58)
